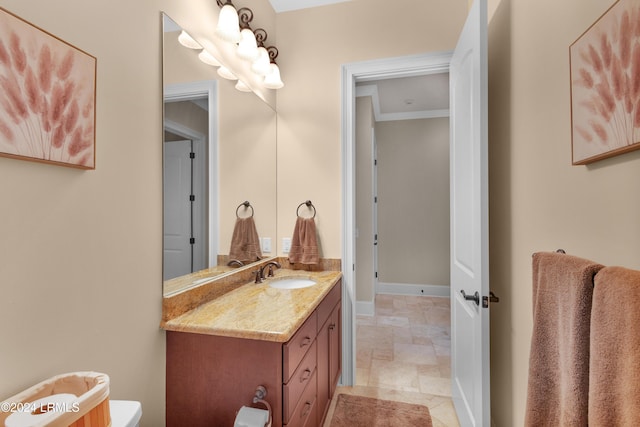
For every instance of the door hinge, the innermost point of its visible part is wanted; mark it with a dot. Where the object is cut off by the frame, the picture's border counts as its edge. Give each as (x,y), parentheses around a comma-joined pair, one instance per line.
(192,241)
(375,199)
(192,197)
(376,274)
(192,155)
(492,298)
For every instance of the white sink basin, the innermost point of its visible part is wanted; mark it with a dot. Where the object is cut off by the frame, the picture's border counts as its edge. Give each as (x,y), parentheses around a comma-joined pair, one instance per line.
(292,283)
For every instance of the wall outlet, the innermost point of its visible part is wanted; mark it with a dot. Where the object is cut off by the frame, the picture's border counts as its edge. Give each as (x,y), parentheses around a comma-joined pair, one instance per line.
(286,244)
(265,243)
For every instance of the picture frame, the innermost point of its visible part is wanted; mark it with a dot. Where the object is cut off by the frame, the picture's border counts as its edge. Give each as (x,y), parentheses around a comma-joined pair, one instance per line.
(47,96)
(605,85)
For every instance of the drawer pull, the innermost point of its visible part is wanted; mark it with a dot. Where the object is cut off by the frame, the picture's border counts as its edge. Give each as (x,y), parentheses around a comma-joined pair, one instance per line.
(332,326)
(305,375)
(305,341)
(307,409)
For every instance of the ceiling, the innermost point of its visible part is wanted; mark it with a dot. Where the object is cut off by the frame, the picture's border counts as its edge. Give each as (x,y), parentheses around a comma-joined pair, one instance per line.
(287,5)
(418,97)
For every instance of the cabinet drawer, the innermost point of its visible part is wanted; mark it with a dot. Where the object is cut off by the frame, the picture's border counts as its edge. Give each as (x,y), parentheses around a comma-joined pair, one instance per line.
(299,380)
(305,412)
(294,350)
(328,303)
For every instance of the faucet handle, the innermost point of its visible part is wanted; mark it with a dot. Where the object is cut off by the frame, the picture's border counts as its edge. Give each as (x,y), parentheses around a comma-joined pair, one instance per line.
(258,274)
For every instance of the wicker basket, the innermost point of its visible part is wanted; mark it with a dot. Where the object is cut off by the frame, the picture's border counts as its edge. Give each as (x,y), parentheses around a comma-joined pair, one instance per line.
(77,399)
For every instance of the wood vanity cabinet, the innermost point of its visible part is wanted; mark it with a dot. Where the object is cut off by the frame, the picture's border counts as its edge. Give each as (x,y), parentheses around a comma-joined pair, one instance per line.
(209,378)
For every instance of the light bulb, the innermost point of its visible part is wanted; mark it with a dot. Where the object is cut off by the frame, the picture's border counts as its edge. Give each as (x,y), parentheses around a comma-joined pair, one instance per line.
(228,24)
(187,41)
(242,86)
(225,73)
(261,65)
(209,59)
(272,80)
(248,48)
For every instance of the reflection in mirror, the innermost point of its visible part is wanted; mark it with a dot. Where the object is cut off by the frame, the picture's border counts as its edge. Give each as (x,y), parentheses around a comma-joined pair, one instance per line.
(232,136)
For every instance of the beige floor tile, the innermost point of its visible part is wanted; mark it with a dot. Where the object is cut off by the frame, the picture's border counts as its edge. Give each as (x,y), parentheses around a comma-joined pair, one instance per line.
(403,354)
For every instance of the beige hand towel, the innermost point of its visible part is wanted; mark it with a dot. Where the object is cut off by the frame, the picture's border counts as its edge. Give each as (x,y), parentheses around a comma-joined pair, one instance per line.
(245,244)
(558,388)
(304,243)
(614,376)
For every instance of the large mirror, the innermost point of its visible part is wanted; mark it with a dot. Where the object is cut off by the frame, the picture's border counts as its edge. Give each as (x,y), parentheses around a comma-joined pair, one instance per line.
(219,152)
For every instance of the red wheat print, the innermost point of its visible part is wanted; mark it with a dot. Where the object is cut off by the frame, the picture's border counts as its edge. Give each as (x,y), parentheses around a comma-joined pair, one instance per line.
(47,91)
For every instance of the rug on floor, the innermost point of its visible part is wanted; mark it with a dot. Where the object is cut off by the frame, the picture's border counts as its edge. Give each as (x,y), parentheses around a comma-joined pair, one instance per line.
(360,411)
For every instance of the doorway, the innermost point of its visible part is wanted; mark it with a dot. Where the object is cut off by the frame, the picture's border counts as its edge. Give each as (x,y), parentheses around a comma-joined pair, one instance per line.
(200,95)
(351,74)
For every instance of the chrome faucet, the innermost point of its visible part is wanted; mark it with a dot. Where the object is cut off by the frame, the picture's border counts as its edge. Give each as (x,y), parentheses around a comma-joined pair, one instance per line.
(260,273)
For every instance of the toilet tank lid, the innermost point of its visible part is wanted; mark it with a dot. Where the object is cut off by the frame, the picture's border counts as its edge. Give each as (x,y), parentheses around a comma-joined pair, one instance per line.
(125,413)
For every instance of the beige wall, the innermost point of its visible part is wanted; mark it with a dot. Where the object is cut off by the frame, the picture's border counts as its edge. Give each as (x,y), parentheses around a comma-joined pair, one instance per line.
(364,200)
(81,255)
(538,201)
(313,45)
(413,206)
(80,251)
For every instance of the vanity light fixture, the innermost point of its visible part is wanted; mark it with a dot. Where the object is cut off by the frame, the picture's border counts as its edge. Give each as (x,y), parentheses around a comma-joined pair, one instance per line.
(187,41)
(272,78)
(226,73)
(208,59)
(242,86)
(228,28)
(251,44)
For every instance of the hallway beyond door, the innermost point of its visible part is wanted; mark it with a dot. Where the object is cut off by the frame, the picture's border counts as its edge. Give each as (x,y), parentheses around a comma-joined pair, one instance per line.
(403,354)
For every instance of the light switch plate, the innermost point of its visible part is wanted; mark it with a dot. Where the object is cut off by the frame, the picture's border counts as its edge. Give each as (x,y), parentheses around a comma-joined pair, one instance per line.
(266,244)
(286,244)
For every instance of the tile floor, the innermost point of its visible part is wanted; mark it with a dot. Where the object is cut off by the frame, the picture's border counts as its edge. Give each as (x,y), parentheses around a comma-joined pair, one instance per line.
(403,354)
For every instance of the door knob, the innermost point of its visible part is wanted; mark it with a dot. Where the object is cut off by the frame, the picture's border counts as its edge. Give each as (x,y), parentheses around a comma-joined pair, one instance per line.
(475,297)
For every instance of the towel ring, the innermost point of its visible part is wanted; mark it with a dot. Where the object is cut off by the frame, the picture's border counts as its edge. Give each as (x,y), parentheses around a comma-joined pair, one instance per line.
(309,205)
(246,205)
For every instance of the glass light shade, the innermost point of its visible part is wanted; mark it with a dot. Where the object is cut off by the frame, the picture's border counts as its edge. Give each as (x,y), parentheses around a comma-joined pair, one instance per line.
(242,86)
(273,80)
(228,24)
(225,73)
(187,41)
(248,48)
(262,65)
(209,59)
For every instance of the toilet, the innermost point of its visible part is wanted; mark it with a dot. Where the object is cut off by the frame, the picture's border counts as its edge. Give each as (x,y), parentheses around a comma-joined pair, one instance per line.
(125,413)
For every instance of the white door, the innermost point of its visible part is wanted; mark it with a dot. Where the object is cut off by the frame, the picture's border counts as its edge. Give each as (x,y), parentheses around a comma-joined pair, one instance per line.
(469,222)
(177,209)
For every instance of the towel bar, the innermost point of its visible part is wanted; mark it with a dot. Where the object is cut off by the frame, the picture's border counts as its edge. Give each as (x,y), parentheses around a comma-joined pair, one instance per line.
(309,205)
(246,205)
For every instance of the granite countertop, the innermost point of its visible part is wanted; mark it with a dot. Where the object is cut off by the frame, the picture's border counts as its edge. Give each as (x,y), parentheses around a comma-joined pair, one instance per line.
(258,311)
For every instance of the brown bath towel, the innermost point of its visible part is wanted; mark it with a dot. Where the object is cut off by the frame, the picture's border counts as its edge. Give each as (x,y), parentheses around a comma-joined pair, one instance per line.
(558,388)
(245,244)
(304,243)
(614,376)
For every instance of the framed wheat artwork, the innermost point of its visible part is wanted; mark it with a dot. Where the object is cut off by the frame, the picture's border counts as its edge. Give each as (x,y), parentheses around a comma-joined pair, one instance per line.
(47,96)
(605,85)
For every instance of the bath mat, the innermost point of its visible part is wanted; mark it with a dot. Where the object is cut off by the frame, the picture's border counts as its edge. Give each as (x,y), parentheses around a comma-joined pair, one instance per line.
(360,411)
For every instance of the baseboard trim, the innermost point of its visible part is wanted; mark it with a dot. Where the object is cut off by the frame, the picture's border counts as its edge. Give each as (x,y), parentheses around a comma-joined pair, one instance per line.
(413,289)
(365,308)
